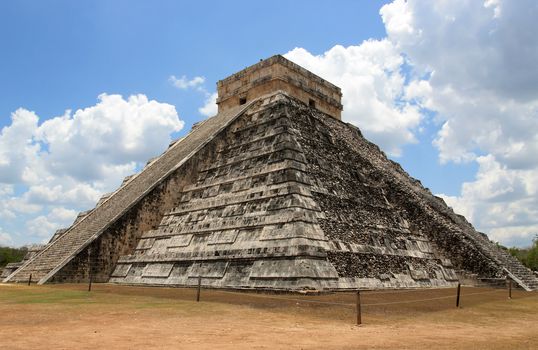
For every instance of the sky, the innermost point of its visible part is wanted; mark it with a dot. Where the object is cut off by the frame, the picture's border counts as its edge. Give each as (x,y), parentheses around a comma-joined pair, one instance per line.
(89,91)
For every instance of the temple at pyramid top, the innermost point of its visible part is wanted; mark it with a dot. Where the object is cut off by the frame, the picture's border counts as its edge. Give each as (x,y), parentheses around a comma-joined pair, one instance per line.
(274,74)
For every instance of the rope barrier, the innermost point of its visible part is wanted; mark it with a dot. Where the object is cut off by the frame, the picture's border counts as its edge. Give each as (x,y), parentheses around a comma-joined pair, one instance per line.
(288,299)
(366,304)
(366,294)
(427,299)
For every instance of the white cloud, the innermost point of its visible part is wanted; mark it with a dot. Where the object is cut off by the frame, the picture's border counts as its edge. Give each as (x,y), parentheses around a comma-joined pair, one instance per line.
(64,215)
(6,189)
(480,59)
(21,205)
(500,201)
(6,214)
(184,83)
(373,88)
(44,226)
(17,145)
(41,227)
(5,238)
(108,136)
(209,108)
(66,163)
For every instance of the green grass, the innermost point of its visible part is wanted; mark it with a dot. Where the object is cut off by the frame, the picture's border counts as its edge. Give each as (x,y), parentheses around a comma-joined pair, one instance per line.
(45,296)
(54,296)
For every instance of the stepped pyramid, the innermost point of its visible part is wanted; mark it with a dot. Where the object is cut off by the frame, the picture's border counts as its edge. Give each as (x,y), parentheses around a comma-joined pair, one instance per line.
(274,192)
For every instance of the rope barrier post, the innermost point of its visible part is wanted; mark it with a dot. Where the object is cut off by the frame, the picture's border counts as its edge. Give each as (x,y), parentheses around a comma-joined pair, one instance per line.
(359,316)
(29,279)
(509,288)
(90,283)
(458,296)
(89,270)
(199,286)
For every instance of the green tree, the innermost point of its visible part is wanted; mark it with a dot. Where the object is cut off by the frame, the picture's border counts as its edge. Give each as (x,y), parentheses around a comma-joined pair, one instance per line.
(527,256)
(9,255)
(532,256)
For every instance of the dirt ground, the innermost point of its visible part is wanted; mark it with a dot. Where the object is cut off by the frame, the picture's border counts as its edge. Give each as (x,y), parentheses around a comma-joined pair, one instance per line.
(121,317)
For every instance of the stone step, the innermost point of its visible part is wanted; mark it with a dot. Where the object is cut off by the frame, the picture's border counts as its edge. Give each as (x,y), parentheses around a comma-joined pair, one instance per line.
(506,260)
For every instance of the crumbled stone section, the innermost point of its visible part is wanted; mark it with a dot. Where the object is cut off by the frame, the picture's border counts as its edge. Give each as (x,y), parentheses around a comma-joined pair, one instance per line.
(57,254)
(371,202)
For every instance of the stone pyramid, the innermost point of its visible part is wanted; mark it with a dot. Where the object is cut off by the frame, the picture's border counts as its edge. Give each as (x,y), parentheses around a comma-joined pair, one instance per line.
(274,192)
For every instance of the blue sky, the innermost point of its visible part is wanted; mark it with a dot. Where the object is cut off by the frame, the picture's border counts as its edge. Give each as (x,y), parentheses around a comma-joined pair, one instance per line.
(62,55)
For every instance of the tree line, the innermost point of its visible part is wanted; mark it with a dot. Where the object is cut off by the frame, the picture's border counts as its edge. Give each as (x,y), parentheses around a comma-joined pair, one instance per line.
(527,256)
(9,255)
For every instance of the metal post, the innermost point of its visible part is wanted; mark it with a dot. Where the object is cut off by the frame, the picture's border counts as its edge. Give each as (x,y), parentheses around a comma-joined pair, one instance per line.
(199,286)
(509,288)
(29,279)
(89,270)
(458,297)
(90,283)
(359,316)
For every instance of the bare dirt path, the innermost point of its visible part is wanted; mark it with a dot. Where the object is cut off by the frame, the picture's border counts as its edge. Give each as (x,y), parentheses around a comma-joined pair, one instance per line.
(113,317)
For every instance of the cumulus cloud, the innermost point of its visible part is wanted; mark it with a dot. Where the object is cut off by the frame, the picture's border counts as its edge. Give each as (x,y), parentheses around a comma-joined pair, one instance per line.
(479,58)
(373,88)
(5,238)
(6,189)
(209,108)
(17,145)
(501,201)
(44,226)
(64,164)
(109,136)
(185,83)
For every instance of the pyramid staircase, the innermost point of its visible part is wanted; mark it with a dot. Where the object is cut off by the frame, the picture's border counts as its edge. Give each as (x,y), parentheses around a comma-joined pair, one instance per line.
(62,250)
(513,268)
